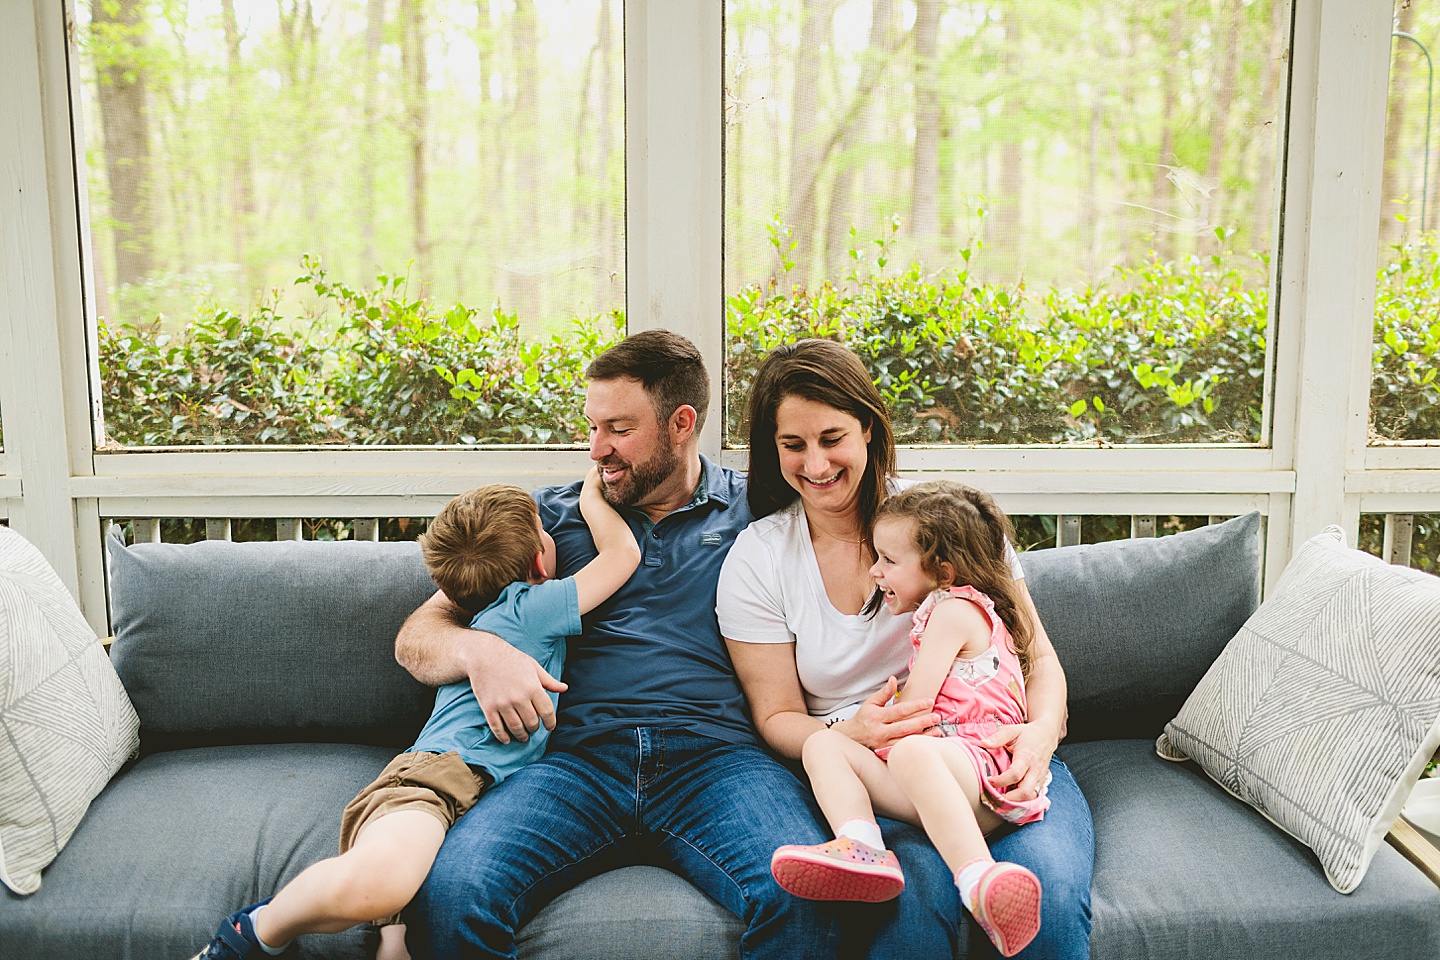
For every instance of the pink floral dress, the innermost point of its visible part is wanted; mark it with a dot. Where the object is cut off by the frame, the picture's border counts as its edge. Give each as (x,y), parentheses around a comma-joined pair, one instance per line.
(980,694)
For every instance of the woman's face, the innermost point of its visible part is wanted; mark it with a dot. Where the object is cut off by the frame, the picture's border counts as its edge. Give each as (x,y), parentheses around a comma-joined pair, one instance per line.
(822,453)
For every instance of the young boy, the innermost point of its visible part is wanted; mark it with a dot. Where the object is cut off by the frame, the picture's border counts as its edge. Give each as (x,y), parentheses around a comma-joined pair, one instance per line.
(487,552)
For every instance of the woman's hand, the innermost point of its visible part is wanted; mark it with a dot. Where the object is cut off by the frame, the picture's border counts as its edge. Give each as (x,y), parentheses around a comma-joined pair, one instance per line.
(1030,748)
(879,723)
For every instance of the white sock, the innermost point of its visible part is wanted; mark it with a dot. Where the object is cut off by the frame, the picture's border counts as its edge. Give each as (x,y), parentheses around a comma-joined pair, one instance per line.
(969,875)
(273,951)
(862,831)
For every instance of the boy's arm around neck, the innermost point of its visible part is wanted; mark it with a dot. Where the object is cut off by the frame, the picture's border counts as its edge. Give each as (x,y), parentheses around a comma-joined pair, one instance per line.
(618,555)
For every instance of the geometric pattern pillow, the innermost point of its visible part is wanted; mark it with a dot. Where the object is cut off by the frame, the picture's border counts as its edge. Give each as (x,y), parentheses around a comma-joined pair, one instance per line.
(66,724)
(1324,708)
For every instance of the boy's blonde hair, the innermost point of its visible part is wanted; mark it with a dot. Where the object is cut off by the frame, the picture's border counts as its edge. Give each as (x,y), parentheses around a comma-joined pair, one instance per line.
(964,527)
(480,543)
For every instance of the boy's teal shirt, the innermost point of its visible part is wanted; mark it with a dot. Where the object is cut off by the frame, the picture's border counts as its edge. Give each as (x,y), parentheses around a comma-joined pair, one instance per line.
(535,618)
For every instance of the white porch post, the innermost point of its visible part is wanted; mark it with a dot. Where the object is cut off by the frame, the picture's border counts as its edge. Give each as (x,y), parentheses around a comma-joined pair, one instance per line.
(1342,213)
(43,365)
(673,179)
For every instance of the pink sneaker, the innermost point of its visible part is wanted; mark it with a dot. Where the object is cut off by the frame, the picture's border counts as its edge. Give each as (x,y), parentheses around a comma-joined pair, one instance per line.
(1006,904)
(839,870)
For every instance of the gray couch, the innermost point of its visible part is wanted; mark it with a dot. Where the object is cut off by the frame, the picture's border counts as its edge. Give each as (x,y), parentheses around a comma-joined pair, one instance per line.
(268,694)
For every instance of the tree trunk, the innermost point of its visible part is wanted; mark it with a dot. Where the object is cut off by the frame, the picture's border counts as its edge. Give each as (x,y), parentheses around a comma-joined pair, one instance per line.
(1265,200)
(841,215)
(806,136)
(1009,208)
(1160,188)
(1234,12)
(925,174)
(300,40)
(1394,188)
(374,39)
(1089,197)
(606,290)
(242,169)
(524,286)
(413,69)
(125,125)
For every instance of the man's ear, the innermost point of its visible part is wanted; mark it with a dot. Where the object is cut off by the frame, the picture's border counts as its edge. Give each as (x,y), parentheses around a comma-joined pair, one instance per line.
(682,424)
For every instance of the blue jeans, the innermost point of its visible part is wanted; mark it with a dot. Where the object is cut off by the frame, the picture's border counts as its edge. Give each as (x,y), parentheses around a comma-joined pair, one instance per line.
(710,811)
(926,920)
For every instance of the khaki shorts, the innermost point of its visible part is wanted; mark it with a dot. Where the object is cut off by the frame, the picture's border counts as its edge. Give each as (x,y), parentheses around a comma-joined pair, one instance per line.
(441,784)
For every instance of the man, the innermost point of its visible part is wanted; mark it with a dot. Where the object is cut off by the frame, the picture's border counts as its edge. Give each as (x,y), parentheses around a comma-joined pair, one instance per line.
(653,757)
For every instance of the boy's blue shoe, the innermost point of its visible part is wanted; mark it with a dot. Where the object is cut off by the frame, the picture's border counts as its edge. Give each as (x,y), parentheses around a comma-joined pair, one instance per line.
(236,939)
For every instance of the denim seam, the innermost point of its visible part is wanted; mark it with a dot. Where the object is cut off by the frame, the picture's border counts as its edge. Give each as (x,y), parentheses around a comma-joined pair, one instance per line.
(510,909)
(716,864)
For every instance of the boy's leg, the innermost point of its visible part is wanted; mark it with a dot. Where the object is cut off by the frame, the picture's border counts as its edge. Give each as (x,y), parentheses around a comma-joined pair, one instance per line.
(374,878)
(546,828)
(718,811)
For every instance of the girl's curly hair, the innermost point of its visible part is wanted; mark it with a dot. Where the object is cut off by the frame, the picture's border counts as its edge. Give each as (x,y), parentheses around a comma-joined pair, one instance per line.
(964,527)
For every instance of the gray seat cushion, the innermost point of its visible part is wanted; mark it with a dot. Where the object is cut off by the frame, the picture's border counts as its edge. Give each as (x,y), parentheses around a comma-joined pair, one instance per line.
(1136,623)
(182,838)
(296,639)
(1184,870)
(631,913)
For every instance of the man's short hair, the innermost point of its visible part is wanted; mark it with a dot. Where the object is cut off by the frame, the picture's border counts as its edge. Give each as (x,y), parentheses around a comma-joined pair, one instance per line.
(668,366)
(480,543)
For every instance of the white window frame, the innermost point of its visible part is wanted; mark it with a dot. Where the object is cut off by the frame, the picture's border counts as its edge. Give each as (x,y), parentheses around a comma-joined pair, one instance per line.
(56,489)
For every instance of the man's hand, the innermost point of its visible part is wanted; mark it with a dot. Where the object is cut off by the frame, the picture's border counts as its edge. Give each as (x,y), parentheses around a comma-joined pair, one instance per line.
(1031,748)
(879,723)
(511,688)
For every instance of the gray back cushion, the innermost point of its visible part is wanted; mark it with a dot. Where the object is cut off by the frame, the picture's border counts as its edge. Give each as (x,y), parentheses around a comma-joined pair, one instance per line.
(221,642)
(1136,623)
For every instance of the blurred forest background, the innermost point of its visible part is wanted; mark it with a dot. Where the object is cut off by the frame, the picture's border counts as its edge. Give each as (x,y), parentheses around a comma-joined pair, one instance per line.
(1076,199)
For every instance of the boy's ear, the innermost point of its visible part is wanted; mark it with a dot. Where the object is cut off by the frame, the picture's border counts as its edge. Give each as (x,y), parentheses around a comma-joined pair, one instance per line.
(537,567)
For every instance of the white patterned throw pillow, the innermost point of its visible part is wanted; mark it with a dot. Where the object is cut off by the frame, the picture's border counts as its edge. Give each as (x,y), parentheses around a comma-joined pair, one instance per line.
(1324,708)
(66,724)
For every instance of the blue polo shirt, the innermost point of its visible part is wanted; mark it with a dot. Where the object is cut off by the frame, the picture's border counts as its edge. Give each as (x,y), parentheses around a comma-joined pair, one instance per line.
(652,654)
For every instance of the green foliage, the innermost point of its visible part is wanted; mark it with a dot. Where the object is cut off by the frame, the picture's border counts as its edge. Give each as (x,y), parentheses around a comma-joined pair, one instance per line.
(1404,394)
(1169,351)
(227,379)
(387,369)
(1175,352)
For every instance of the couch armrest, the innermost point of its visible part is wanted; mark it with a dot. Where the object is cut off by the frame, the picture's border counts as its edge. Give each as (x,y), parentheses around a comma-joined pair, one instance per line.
(1416,848)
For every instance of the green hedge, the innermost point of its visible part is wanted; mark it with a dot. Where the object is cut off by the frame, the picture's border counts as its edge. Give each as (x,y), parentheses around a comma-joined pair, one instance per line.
(1169,351)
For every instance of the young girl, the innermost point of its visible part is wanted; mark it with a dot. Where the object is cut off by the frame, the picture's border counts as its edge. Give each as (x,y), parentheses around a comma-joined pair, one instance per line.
(941,555)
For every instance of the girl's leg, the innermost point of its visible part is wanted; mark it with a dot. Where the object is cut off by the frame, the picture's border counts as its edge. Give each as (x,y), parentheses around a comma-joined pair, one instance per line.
(375,878)
(855,865)
(392,943)
(850,782)
(939,779)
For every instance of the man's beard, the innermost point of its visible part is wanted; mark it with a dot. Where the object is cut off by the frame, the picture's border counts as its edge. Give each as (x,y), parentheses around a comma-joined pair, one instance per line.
(641,478)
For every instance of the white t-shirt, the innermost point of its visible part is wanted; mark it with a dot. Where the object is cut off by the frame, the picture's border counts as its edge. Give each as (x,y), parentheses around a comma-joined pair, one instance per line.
(770,591)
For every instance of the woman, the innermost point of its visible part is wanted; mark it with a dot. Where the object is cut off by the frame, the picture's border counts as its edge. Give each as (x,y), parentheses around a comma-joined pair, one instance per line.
(814,649)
